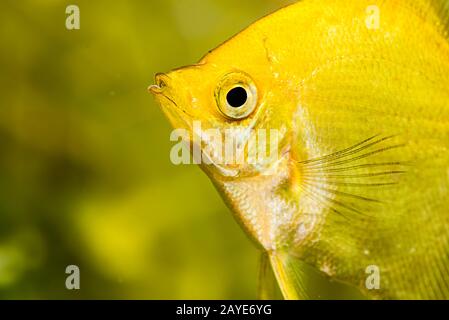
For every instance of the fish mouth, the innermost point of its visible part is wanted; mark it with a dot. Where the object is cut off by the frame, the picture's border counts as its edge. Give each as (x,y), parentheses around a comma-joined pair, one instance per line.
(161,86)
(162,90)
(164,96)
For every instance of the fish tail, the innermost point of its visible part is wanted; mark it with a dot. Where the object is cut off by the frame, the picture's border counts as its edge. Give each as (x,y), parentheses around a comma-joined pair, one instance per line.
(289,276)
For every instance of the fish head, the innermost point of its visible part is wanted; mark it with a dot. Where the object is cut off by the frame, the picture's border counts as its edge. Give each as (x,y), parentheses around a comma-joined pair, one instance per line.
(232,107)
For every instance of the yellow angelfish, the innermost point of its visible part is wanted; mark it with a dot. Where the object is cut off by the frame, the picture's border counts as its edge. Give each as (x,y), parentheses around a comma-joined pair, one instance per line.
(358,93)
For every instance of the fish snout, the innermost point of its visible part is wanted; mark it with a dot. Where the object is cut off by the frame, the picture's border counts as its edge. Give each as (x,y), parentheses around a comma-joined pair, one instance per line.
(163,90)
(161,84)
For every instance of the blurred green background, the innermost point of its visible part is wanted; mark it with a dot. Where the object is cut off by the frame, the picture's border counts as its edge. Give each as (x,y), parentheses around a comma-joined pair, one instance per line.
(85,175)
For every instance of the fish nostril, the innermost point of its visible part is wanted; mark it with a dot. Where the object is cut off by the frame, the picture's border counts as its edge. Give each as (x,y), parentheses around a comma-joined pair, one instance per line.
(161,83)
(161,80)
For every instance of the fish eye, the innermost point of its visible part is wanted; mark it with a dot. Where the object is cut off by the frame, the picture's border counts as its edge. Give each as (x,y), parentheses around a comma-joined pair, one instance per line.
(236,95)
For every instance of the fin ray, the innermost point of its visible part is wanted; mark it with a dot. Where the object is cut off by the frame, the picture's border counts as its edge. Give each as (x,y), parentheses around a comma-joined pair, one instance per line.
(268,288)
(289,276)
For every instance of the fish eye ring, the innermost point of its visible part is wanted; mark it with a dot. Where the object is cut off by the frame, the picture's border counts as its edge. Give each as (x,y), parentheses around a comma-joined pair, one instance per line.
(236,95)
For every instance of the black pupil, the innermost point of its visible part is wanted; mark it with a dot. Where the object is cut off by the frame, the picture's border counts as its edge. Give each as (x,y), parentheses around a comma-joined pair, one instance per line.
(237,97)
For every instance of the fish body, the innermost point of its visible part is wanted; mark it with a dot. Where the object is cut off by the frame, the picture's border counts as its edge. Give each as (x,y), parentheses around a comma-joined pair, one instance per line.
(358,93)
